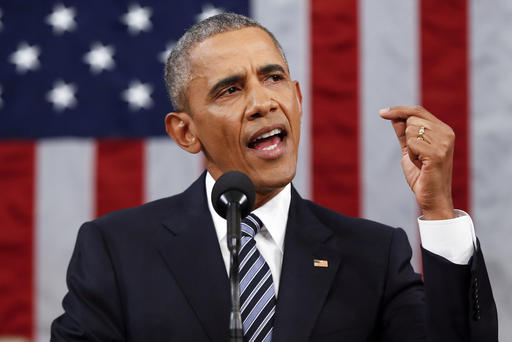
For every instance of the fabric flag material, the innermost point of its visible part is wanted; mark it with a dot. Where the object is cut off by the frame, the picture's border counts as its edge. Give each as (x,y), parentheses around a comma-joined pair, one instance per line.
(82,103)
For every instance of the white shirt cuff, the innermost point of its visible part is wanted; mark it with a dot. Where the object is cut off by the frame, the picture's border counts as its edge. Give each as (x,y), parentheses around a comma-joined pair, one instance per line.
(453,239)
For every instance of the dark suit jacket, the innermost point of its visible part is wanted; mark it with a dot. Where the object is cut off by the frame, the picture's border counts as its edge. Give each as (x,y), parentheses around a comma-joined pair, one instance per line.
(155,273)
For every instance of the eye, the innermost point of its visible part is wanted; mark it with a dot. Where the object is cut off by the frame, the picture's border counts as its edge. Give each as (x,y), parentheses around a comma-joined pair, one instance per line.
(276,77)
(228,91)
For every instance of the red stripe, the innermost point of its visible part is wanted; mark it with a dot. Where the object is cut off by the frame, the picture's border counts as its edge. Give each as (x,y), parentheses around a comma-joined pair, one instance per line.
(16,238)
(119,175)
(444,75)
(335,105)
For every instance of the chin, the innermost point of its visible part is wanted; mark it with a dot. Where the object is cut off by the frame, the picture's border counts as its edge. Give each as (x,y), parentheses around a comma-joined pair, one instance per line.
(274,179)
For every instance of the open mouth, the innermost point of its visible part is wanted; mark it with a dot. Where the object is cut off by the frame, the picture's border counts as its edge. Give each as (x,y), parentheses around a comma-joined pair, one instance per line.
(268,141)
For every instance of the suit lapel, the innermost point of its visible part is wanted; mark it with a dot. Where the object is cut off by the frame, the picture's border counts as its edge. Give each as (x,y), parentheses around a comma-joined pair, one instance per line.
(304,287)
(190,248)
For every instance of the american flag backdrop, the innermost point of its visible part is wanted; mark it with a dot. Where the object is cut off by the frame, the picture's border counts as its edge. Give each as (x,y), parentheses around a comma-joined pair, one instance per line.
(82,103)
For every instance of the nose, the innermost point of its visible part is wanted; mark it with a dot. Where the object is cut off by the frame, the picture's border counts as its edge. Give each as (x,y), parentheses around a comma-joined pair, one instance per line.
(259,101)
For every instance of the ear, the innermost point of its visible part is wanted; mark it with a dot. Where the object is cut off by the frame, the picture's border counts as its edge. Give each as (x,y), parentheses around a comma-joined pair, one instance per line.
(298,94)
(180,127)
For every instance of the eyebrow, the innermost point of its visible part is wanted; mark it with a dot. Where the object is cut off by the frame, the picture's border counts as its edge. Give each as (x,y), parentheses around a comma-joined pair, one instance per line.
(232,79)
(270,68)
(225,82)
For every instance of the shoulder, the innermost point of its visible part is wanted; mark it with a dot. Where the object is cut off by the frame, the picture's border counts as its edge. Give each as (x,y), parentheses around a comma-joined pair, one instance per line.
(360,236)
(347,225)
(147,213)
(147,218)
(370,251)
(130,226)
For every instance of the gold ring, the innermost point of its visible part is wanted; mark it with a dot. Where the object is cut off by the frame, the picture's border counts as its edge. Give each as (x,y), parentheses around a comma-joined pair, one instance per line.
(420,133)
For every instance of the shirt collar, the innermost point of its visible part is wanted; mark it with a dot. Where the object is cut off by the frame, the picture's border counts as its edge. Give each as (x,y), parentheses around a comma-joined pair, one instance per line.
(273,214)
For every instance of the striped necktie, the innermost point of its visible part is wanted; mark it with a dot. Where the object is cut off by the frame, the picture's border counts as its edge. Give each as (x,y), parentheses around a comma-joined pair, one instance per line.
(257,294)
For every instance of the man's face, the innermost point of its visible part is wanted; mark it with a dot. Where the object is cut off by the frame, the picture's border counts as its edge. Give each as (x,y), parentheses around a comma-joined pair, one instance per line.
(245,109)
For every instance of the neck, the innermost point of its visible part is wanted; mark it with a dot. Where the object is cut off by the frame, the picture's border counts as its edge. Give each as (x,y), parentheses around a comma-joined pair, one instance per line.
(263,194)
(263,197)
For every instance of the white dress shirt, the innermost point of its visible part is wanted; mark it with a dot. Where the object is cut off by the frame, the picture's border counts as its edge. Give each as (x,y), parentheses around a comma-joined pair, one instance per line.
(453,239)
(270,239)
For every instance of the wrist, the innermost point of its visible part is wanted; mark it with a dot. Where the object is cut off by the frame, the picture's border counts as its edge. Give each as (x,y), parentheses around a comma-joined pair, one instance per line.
(438,214)
(442,211)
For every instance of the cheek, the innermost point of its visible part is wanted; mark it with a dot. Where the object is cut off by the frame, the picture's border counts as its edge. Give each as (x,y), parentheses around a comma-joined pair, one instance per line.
(293,112)
(288,97)
(217,133)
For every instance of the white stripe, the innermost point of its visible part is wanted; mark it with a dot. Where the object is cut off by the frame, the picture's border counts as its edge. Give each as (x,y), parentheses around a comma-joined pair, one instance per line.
(389,57)
(248,256)
(242,281)
(248,230)
(256,289)
(169,169)
(268,337)
(289,21)
(256,224)
(262,325)
(261,305)
(64,200)
(491,144)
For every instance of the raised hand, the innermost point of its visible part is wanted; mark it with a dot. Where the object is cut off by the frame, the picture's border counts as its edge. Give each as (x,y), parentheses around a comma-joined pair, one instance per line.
(427,157)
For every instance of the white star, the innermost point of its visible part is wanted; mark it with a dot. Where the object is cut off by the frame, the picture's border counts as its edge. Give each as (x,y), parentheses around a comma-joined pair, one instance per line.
(62,19)
(26,57)
(62,95)
(137,19)
(162,56)
(208,11)
(138,95)
(100,57)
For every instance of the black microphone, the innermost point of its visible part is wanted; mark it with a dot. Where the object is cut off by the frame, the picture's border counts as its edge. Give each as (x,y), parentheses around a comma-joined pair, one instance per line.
(233,198)
(233,187)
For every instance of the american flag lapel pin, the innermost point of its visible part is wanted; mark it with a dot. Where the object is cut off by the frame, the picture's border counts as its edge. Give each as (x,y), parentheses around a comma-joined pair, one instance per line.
(320,263)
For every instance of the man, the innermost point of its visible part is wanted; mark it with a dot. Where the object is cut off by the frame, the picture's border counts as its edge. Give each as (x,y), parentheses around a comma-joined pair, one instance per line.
(158,272)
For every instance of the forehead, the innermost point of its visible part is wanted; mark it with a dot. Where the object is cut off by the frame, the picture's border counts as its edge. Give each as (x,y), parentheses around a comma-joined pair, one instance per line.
(233,51)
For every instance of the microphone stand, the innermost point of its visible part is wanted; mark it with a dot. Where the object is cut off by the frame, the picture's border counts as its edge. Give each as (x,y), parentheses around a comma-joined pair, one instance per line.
(233,240)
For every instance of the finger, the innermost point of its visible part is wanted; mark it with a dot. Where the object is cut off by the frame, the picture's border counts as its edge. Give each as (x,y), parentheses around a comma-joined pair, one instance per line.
(419,122)
(404,112)
(403,131)
(419,132)
(433,153)
(410,152)
(418,150)
(414,159)
(400,126)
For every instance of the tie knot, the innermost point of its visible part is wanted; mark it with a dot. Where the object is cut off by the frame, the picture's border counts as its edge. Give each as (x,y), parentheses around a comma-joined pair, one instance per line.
(251,225)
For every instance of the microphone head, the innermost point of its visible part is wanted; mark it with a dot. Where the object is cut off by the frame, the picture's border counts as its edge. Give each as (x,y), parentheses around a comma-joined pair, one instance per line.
(233,187)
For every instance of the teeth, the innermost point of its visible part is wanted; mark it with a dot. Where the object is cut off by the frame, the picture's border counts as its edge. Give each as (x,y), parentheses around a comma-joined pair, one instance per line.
(268,148)
(269,134)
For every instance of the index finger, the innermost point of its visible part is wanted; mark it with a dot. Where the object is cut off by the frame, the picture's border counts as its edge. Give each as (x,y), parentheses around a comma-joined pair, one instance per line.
(399,126)
(405,112)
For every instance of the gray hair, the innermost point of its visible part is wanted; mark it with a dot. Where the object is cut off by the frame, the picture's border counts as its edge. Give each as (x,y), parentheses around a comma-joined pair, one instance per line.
(177,68)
